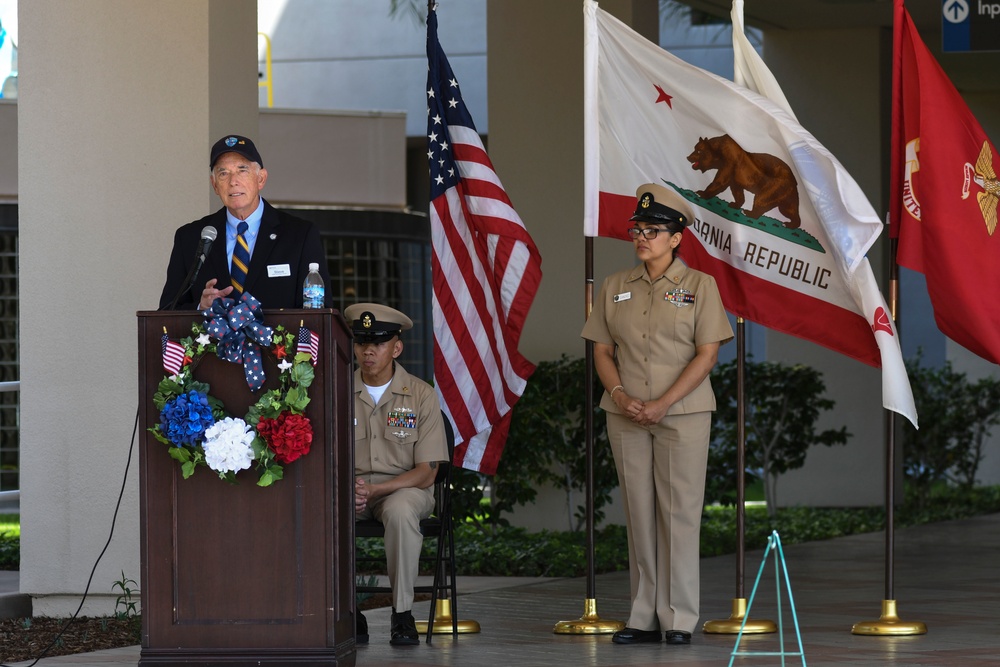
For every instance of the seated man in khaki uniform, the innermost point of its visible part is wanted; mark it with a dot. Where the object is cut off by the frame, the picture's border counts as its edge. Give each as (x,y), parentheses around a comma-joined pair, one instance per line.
(399,442)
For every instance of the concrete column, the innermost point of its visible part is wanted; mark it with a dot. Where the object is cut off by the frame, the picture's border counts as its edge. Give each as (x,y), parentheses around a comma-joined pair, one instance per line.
(118,104)
(535,74)
(844,102)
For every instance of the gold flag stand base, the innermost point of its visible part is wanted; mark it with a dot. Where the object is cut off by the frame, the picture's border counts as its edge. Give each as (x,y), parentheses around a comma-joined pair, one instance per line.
(889,624)
(588,624)
(732,625)
(443,621)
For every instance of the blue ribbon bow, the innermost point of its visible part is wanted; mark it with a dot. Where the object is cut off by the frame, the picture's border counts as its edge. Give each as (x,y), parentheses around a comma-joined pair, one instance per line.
(239,328)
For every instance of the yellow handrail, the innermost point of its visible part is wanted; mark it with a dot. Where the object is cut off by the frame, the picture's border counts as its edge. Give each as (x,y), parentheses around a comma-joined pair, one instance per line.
(266,82)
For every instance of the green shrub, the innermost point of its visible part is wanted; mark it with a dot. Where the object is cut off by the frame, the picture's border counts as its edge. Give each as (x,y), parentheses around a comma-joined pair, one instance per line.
(514,552)
(10,551)
(956,417)
(782,404)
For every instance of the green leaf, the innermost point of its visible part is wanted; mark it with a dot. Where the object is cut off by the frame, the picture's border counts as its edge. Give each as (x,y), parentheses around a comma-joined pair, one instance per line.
(270,475)
(158,434)
(297,399)
(302,372)
(187,469)
(182,454)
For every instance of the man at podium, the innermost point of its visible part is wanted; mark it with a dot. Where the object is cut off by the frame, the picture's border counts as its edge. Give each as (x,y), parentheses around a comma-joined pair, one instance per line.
(399,442)
(259,249)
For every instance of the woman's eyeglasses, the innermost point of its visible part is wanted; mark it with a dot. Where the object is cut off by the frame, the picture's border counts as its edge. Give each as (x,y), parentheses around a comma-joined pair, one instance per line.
(648,233)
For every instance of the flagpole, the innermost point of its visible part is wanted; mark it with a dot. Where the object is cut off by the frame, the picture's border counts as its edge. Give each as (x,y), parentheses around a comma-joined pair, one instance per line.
(889,623)
(590,623)
(735,623)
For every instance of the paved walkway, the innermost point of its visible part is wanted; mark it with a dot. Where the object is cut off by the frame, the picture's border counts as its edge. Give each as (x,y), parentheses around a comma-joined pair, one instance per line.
(947,575)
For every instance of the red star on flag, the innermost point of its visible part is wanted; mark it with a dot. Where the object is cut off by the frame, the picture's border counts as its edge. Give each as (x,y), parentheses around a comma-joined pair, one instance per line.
(663,97)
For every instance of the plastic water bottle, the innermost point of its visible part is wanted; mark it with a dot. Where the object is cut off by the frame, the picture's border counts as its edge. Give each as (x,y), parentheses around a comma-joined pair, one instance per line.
(313,289)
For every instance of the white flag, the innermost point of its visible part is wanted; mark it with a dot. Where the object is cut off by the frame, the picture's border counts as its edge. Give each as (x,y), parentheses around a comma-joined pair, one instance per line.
(780,224)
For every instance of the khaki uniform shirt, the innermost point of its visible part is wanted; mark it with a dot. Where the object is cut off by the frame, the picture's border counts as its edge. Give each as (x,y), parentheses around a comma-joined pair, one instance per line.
(655,328)
(404,429)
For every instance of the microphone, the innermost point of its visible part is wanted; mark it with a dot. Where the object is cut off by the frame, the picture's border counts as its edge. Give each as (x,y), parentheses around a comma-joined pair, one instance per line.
(208,236)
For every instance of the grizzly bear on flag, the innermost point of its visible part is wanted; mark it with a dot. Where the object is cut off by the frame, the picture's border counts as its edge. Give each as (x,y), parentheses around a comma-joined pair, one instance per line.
(769,179)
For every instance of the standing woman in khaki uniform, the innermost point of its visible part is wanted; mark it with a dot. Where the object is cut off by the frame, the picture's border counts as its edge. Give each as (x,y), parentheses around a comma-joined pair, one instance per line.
(657,329)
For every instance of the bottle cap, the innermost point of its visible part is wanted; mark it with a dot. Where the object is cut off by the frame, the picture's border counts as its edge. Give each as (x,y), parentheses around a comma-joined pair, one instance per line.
(313,266)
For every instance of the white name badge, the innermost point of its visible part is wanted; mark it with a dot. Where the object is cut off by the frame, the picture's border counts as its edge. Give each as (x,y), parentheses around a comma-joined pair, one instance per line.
(278,270)
(624,296)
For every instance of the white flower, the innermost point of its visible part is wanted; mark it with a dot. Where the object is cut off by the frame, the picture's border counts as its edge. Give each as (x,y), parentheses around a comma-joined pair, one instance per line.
(203,339)
(227,445)
(284,365)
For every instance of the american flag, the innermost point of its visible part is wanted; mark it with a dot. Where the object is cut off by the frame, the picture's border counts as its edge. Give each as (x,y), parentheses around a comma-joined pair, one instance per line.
(485,269)
(173,356)
(308,341)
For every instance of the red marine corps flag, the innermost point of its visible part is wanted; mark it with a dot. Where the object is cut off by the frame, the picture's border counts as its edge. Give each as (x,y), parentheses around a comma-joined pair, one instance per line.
(485,271)
(944,195)
(779,222)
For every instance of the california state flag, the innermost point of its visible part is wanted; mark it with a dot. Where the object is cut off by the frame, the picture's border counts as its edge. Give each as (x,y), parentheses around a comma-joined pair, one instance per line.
(944,195)
(779,223)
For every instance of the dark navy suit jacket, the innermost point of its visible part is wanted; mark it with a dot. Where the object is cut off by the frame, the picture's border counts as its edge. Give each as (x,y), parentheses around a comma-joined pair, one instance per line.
(285,243)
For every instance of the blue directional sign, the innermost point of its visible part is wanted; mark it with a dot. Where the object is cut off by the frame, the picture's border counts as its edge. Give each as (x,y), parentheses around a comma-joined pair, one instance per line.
(970,25)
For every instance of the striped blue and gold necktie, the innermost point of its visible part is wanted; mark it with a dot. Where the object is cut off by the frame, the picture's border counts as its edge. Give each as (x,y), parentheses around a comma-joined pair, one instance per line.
(241,258)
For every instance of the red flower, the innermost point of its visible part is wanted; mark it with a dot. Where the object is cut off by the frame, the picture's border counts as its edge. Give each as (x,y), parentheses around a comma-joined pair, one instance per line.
(288,435)
(279,352)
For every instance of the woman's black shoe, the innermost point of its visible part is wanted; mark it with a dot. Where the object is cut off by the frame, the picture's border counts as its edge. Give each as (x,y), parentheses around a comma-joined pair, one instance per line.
(633,636)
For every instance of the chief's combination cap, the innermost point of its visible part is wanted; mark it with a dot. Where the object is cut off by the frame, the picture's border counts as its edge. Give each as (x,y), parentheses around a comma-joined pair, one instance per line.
(375,323)
(234,143)
(661,205)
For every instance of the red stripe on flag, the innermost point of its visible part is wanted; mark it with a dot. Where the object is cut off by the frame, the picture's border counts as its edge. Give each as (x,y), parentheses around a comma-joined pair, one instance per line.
(485,272)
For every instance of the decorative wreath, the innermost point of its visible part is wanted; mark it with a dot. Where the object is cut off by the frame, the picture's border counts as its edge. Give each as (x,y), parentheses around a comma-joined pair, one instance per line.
(195,425)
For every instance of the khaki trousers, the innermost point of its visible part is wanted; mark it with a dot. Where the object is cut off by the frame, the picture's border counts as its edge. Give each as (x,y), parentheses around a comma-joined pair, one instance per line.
(400,512)
(661,471)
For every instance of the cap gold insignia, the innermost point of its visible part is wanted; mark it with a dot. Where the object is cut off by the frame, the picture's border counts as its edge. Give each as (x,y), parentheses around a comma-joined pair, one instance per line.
(646,199)
(366,322)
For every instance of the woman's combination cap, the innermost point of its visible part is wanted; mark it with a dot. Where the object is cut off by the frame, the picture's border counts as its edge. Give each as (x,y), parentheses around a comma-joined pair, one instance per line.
(657,204)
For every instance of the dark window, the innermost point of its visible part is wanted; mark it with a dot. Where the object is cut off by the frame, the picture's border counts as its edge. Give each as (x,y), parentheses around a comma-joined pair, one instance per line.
(9,400)
(384,257)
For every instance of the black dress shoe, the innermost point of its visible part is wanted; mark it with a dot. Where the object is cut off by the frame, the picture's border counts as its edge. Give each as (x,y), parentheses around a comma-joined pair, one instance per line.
(403,630)
(361,631)
(678,637)
(633,636)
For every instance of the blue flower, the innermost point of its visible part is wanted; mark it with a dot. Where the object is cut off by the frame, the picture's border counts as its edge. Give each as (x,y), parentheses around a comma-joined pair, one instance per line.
(184,418)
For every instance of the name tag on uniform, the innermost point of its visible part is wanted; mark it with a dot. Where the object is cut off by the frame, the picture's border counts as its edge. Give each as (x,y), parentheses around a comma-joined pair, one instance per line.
(624,296)
(278,270)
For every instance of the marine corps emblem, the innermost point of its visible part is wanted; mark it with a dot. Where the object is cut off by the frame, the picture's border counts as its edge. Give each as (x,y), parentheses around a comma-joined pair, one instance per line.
(984,176)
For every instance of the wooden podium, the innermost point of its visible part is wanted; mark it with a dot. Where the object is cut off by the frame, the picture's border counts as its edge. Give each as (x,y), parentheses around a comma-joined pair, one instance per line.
(241,575)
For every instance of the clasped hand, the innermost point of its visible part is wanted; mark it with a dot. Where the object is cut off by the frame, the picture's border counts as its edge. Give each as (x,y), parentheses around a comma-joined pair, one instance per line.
(642,413)
(361,494)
